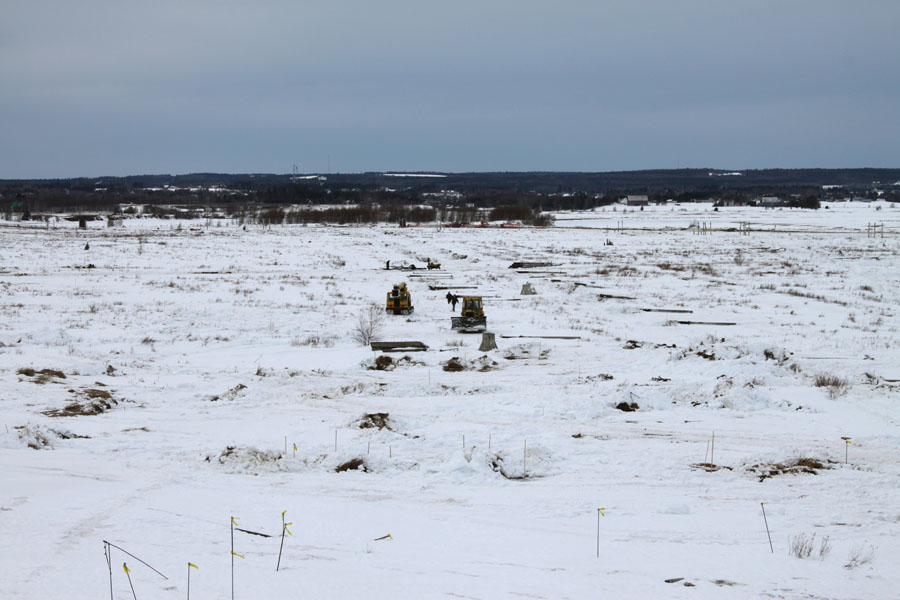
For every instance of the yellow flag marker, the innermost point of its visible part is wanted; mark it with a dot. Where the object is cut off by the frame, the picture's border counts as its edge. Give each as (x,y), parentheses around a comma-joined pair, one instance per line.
(193,565)
(234,521)
(384,537)
(238,555)
(600,510)
(286,528)
(125,568)
(295,447)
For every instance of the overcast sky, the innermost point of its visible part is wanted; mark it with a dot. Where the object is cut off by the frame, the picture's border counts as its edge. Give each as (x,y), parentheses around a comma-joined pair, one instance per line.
(92,88)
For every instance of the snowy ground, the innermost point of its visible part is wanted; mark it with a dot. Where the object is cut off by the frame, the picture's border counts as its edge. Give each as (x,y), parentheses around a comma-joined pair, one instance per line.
(208,351)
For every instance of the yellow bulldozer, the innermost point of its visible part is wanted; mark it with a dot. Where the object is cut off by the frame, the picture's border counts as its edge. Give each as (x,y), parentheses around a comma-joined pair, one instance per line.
(399,300)
(471,319)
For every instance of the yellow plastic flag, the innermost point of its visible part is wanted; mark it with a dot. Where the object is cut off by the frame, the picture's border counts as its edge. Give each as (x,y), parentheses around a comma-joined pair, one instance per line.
(238,555)
(190,564)
(295,447)
(234,521)
(286,528)
(125,568)
(600,510)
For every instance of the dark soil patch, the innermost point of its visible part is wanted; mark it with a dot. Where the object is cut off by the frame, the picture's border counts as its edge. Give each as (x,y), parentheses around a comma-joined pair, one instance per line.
(355,464)
(453,365)
(807,465)
(627,406)
(706,354)
(387,363)
(384,363)
(633,345)
(95,393)
(375,420)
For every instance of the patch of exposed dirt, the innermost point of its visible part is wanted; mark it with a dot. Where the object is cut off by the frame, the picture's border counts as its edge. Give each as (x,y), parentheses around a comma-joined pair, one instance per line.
(482,364)
(710,467)
(354,464)
(383,363)
(795,466)
(454,365)
(94,402)
(387,363)
(375,420)
(627,406)
(633,345)
(41,376)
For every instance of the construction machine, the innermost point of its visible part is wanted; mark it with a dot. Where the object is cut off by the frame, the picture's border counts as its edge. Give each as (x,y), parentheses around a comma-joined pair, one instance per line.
(399,300)
(471,319)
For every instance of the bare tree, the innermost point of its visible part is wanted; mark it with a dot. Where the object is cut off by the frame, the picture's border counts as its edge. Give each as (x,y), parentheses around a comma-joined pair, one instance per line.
(368,325)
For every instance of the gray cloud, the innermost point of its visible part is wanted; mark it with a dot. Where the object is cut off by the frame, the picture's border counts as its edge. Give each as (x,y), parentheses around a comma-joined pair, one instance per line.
(100,87)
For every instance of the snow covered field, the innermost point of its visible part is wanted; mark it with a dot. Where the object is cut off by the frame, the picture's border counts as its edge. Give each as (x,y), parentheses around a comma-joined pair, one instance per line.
(207,352)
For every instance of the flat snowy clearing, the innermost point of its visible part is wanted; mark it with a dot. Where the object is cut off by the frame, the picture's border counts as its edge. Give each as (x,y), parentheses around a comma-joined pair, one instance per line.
(154,374)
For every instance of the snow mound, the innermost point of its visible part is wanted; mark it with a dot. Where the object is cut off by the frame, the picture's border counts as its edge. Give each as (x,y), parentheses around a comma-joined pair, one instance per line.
(247,459)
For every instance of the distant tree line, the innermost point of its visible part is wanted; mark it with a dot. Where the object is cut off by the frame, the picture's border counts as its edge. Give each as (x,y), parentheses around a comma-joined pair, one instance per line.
(472,198)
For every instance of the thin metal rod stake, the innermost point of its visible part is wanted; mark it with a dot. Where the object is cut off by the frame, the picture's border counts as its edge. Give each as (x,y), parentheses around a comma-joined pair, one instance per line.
(766,521)
(125,567)
(108,553)
(278,566)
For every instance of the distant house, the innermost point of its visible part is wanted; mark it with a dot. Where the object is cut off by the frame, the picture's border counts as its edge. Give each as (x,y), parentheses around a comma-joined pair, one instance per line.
(637,201)
(771,201)
(734,202)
